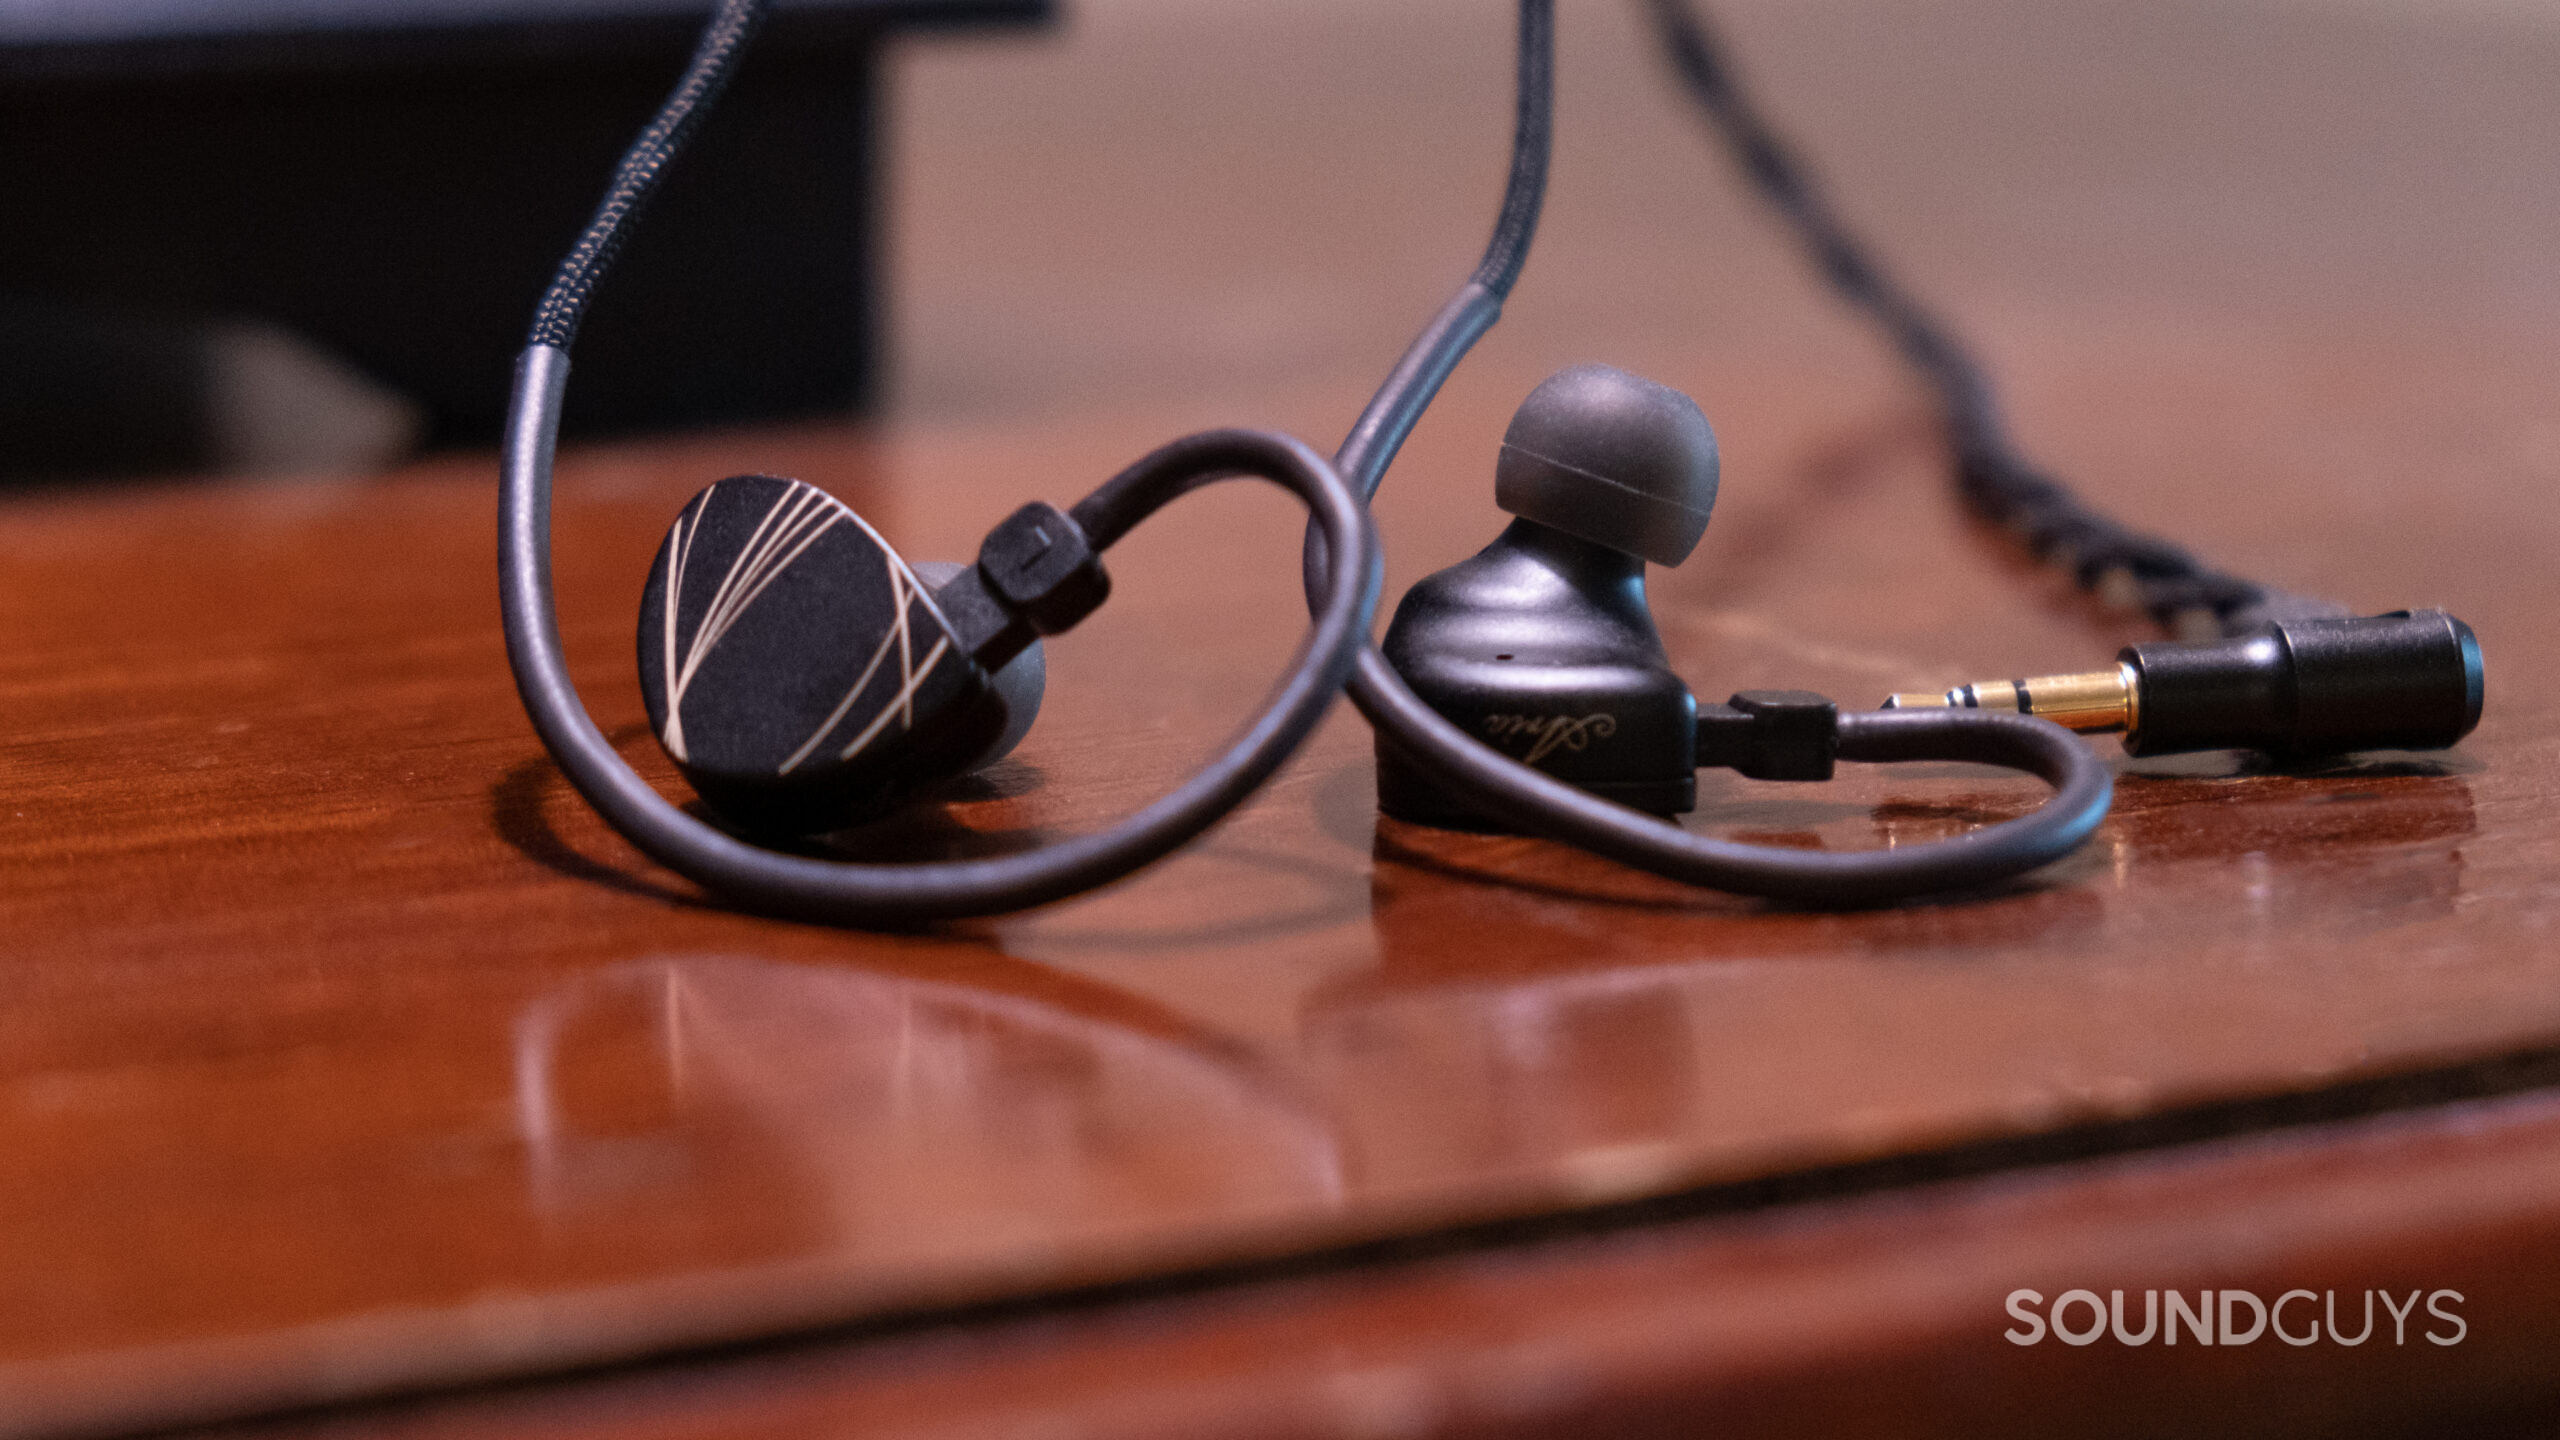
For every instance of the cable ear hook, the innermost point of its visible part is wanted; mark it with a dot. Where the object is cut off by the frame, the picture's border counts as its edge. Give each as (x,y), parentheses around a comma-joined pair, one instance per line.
(989,618)
(803,676)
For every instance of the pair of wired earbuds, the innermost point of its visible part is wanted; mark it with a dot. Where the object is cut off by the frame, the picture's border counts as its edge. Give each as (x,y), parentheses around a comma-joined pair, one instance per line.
(803,677)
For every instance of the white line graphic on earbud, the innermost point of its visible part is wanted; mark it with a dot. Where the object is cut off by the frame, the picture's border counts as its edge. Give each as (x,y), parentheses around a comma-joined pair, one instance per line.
(904,700)
(897,635)
(804,513)
(904,591)
(680,547)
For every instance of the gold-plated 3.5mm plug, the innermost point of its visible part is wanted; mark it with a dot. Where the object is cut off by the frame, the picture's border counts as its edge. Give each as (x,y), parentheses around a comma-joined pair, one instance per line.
(2097,701)
(2409,680)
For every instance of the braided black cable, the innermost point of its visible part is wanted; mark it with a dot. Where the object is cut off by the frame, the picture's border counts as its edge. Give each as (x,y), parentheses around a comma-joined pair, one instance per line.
(1426,364)
(636,177)
(1532,135)
(2120,564)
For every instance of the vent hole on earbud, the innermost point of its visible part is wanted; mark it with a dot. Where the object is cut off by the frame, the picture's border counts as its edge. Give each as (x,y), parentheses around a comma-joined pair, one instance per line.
(1501,657)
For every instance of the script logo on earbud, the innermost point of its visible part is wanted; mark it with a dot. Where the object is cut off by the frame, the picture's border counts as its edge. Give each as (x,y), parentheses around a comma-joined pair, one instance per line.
(1546,732)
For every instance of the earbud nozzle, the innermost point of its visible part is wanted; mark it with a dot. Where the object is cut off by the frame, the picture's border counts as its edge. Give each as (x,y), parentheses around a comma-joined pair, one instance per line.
(1017,686)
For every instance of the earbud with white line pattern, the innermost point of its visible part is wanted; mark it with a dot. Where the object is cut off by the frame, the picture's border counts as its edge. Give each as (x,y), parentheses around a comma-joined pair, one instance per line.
(803,675)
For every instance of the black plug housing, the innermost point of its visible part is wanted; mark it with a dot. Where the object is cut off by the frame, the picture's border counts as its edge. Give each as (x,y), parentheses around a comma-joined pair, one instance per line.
(2409,680)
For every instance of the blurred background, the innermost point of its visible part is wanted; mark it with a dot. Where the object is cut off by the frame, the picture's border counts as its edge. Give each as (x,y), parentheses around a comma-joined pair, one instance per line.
(304,235)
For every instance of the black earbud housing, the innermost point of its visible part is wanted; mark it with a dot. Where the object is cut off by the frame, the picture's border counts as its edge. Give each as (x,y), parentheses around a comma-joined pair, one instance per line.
(1542,645)
(797,670)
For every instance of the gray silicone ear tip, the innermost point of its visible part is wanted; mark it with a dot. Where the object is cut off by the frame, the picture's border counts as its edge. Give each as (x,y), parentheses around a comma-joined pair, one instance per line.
(1020,684)
(1614,458)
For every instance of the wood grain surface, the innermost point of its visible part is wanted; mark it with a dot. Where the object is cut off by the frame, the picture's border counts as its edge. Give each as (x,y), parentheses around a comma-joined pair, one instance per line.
(342,1052)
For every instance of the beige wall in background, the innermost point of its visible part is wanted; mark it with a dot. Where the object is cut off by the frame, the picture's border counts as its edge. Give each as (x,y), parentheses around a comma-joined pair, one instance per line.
(1946,130)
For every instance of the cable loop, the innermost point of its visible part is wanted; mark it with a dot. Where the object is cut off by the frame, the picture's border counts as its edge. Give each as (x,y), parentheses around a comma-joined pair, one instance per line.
(869,894)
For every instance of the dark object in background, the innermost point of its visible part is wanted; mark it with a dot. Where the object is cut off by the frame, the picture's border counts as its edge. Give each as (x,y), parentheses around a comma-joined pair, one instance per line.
(90,390)
(393,180)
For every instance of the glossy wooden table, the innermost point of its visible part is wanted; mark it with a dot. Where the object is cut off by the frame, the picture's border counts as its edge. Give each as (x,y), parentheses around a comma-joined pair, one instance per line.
(344,1055)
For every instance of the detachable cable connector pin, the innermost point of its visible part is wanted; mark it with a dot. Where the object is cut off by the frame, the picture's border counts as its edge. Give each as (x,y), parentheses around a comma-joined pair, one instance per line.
(2410,680)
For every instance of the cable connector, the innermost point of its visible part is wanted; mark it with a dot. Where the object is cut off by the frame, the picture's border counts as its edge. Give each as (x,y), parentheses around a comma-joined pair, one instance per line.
(2409,680)
(1771,735)
(1037,574)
